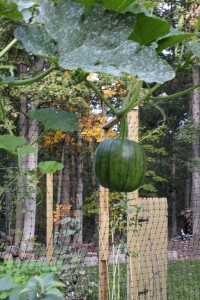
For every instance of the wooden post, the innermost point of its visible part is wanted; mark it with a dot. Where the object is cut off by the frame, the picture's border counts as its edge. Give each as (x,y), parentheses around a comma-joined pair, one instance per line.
(132,229)
(49,213)
(103,243)
(104,227)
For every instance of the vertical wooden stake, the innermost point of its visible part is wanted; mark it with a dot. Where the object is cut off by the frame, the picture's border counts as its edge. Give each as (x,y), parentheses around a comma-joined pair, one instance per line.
(103,234)
(132,242)
(103,244)
(49,213)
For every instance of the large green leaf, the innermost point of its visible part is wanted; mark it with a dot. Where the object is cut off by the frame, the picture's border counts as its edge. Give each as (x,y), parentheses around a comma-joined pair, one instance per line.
(40,42)
(136,8)
(9,9)
(15,294)
(25,150)
(56,120)
(87,3)
(11,142)
(6,283)
(95,41)
(50,167)
(117,5)
(148,29)
(194,47)
(172,38)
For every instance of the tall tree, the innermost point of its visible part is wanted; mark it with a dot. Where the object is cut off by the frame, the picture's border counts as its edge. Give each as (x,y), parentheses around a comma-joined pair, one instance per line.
(195,186)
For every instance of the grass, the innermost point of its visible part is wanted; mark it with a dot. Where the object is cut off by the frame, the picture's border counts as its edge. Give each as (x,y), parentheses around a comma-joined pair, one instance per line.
(184,280)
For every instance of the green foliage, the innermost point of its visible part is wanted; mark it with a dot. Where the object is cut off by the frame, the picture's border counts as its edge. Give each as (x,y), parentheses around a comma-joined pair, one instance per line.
(22,271)
(156,153)
(11,143)
(148,29)
(36,288)
(188,134)
(88,45)
(43,288)
(80,281)
(117,5)
(57,120)
(50,167)
(17,274)
(194,47)
(174,37)
(9,9)
(6,283)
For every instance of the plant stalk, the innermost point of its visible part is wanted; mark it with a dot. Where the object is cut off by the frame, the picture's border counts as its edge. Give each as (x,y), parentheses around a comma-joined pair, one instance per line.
(29,80)
(98,92)
(8,47)
(176,95)
(132,102)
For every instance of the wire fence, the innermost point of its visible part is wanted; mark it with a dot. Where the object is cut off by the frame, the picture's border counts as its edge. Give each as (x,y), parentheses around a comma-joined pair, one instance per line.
(101,245)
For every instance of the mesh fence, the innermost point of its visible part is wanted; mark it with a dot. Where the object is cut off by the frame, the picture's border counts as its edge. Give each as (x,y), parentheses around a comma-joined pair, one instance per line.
(101,245)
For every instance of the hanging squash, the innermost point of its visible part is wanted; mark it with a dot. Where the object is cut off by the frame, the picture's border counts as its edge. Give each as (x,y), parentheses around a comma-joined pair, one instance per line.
(120,165)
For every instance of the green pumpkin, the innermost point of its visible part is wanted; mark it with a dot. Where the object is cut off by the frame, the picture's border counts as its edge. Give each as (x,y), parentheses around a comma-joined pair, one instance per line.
(120,165)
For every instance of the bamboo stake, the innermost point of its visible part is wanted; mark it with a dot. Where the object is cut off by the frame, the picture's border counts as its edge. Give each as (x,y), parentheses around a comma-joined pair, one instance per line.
(104,227)
(132,230)
(49,213)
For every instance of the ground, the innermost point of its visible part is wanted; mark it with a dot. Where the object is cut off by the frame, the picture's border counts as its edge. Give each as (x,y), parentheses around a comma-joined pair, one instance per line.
(186,248)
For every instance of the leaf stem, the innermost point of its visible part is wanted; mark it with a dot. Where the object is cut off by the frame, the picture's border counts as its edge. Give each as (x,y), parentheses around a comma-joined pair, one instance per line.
(132,102)
(184,65)
(147,95)
(10,68)
(176,95)
(29,80)
(8,47)
(131,88)
(123,131)
(104,99)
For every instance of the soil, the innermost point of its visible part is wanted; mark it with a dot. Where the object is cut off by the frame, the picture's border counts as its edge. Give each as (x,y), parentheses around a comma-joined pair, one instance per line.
(186,248)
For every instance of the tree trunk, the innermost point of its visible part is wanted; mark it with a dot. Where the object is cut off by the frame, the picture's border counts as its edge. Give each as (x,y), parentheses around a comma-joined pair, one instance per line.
(21,184)
(31,187)
(79,196)
(173,196)
(195,188)
(187,192)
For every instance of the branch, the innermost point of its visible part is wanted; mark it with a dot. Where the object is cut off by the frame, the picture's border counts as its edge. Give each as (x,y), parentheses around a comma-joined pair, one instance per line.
(10,68)
(133,101)
(176,95)
(29,80)
(8,47)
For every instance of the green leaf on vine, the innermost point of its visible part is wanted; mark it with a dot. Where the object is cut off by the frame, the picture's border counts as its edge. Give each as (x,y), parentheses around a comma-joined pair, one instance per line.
(94,40)
(50,167)
(194,47)
(148,29)
(25,150)
(117,5)
(11,142)
(174,37)
(9,9)
(87,3)
(57,120)
(38,41)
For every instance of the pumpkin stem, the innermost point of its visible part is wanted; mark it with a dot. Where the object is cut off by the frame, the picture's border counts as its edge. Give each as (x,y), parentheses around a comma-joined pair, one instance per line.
(123,130)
